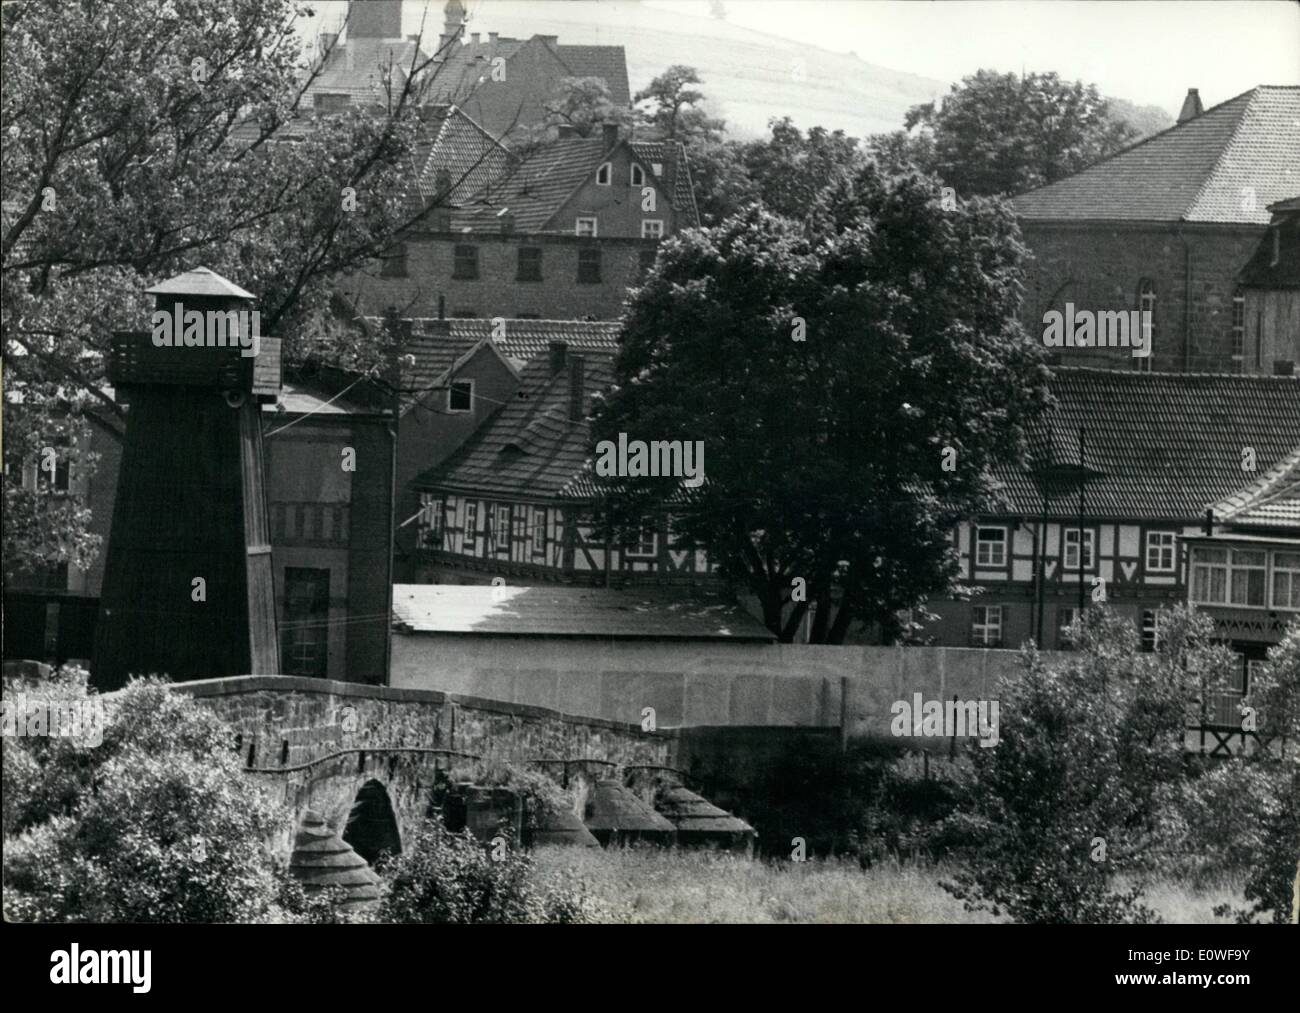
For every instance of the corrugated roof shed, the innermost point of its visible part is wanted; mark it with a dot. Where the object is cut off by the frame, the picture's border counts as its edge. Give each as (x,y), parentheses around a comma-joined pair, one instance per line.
(1166,444)
(550,610)
(1226,165)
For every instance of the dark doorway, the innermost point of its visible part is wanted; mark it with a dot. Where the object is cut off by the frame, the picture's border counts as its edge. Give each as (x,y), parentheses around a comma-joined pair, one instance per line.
(372,827)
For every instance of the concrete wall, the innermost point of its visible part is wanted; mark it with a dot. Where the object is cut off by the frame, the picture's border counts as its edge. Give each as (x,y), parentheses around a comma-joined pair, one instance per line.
(693,684)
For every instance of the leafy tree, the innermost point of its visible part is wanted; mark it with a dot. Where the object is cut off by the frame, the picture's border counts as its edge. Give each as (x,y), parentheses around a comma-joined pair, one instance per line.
(826,368)
(790,169)
(1063,809)
(1005,134)
(669,109)
(582,104)
(147,138)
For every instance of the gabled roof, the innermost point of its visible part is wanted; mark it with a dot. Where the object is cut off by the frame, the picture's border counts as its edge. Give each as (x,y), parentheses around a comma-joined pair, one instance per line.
(530,449)
(549,610)
(360,68)
(606,62)
(455,144)
(537,188)
(677,171)
(1277,266)
(1224,166)
(464,64)
(1164,444)
(1273,501)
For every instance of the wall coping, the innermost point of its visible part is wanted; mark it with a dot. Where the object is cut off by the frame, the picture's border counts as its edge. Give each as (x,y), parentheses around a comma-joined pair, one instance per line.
(236,685)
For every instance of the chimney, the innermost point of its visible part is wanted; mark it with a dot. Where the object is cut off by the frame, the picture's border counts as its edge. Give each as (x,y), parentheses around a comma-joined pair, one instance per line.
(507,219)
(609,131)
(559,350)
(492,37)
(1192,107)
(577,364)
(476,36)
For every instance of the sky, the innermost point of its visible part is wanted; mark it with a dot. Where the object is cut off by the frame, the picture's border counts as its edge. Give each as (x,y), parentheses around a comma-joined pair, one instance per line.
(1147,51)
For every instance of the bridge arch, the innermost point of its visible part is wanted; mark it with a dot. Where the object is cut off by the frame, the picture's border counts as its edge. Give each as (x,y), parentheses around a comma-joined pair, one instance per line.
(371,828)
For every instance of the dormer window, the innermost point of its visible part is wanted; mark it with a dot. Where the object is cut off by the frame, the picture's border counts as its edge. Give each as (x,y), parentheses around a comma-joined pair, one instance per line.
(638,175)
(603,174)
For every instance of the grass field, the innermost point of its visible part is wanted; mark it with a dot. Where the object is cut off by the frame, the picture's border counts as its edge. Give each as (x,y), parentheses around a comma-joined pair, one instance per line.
(696,887)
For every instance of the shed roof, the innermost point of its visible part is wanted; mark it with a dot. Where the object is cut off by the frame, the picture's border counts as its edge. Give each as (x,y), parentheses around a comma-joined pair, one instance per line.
(201,282)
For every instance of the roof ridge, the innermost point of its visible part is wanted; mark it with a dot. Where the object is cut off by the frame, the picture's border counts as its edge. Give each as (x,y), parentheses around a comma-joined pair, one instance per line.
(1223,152)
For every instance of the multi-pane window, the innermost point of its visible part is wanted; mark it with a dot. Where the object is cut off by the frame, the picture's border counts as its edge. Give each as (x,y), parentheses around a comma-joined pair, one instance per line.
(519,535)
(394,262)
(499,533)
(1150,629)
(990,546)
(1065,618)
(652,228)
(431,520)
(460,396)
(306,621)
(465,262)
(1160,551)
(471,526)
(530,264)
(585,227)
(539,531)
(1286,580)
(637,175)
(1229,576)
(589,264)
(1073,538)
(986,626)
(647,543)
(1238,328)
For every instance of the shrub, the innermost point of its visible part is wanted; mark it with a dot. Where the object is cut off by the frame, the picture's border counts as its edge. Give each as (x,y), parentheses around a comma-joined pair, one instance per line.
(542,797)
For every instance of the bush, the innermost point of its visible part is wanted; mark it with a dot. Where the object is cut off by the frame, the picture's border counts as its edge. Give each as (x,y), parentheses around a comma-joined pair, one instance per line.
(542,797)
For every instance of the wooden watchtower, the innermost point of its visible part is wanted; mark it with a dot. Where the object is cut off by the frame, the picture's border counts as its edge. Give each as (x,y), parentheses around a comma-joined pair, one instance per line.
(188,587)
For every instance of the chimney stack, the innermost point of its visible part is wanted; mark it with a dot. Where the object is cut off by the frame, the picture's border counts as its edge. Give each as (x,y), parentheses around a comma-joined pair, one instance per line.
(577,378)
(1192,107)
(559,351)
(610,133)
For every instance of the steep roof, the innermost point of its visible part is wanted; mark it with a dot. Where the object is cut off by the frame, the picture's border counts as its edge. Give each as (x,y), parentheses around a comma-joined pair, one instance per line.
(529,449)
(1224,166)
(462,66)
(537,188)
(361,67)
(1165,444)
(1272,501)
(550,610)
(458,146)
(672,156)
(606,62)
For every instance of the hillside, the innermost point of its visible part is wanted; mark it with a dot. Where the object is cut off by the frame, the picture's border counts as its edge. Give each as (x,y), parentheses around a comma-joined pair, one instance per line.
(748,76)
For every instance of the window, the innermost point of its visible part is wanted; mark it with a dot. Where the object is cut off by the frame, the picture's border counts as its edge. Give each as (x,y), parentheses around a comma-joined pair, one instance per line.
(990,546)
(501,540)
(638,175)
(603,175)
(394,262)
(589,265)
(1160,551)
(1238,328)
(986,626)
(519,535)
(1150,629)
(432,517)
(539,531)
(652,228)
(585,227)
(1286,580)
(471,527)
(465,263)
(306,621)
(530,264)
(1065,618)
(657,168)
(1147,307)
(1072,536)
(460,397)
(645,262)
(1229,576)
(647,543)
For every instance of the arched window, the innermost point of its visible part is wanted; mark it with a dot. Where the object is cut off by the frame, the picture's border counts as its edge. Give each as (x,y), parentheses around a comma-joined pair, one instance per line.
(1238,328)
(1147,308)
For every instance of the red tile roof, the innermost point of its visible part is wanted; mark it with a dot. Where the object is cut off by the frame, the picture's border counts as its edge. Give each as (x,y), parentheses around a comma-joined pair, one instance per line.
(1226,165)
(549,610)
(1165,444)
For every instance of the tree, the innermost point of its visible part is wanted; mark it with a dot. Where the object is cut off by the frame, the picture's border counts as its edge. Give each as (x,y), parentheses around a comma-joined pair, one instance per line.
(668,109)
(1005,134)
(582,104)
(790,169)
(144,139)
(818,364)
(1062,811)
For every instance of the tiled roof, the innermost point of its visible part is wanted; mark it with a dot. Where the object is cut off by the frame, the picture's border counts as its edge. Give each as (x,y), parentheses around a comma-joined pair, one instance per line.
(1226,165)
(359,68)
(200,282)
(529,449)
(1165,444)
(606,62)
(537,188)
(463,66)
(550,610)
(1271,502)
(464,150)
(672,156)
(1263,270)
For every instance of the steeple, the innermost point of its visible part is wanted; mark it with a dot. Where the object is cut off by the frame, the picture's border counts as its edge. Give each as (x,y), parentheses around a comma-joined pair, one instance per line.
(453,19)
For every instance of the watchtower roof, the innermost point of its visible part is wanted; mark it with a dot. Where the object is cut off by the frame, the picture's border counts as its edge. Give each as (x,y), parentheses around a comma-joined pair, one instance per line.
(200,282)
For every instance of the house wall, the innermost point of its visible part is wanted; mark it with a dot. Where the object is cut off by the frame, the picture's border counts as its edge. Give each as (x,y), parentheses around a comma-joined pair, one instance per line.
(1098,266)
(496,291)
(620,207)
(1272,328)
